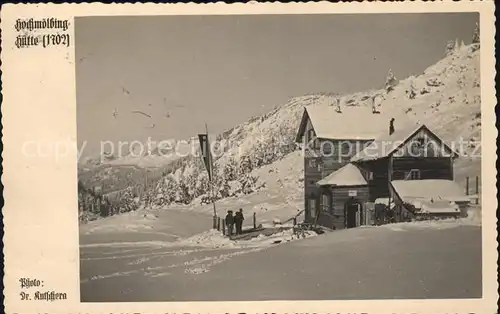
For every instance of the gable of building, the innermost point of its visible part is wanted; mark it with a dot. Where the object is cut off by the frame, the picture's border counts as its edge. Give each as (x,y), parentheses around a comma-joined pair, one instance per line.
(424,143)
(411,141)
(304,122)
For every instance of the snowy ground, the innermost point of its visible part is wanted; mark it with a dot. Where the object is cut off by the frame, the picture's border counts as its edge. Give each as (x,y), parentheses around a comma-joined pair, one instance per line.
(170,255)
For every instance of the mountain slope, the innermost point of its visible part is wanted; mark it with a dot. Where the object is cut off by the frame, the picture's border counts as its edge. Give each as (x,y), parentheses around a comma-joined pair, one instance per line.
(446,97)
(260,159)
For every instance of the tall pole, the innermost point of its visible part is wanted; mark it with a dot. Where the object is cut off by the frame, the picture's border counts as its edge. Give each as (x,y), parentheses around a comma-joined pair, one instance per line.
(146,188)
(209,153)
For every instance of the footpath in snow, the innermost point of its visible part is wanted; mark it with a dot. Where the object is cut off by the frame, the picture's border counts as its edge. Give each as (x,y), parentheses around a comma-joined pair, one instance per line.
(213,239)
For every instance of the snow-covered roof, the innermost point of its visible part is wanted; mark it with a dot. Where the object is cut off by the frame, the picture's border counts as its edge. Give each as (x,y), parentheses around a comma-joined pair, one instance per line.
(386,144)
(353,123)
(441,207)
(427,190)
(349,175)
(382,200)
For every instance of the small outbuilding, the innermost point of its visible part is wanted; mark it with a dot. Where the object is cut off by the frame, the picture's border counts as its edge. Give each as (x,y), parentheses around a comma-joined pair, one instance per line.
(344,194)
(440,198)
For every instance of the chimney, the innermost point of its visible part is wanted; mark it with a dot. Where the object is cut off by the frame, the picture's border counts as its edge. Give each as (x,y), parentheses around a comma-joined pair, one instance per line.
(391,126)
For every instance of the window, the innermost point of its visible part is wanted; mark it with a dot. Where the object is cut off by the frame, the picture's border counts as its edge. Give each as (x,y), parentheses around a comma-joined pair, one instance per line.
(326,147)
(312,163)
(417,147)
(369,175)
(310,134)
(317,144)
(312,207)
(421,141)
(413,174)
(345,148)
(320,166)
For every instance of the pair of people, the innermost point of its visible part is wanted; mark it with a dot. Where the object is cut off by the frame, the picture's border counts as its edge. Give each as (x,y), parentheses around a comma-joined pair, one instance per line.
(237,220)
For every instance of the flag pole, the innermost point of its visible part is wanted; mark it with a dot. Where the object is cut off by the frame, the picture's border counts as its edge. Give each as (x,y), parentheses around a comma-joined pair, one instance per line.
(209,153)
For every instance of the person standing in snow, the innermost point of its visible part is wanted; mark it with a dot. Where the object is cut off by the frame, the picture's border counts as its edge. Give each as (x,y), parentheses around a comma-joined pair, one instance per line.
(229,222)
(238,220)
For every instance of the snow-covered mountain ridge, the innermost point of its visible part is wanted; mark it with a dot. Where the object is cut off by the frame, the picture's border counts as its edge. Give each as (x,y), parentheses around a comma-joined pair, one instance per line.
(261,155)
(446,97)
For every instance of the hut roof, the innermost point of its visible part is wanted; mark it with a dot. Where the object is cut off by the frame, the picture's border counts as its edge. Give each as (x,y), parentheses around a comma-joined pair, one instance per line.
(349,175)
(353,123)
(429,190)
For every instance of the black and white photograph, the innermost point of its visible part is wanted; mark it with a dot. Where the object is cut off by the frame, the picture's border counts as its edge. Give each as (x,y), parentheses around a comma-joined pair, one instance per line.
(268,157)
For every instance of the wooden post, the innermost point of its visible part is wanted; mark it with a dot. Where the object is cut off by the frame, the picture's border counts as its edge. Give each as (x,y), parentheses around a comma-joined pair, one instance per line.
(223,227)
(213,200)
(477,190)
(467,186)
(360,215)
(214,222)
(146,199)
(218,223)
(210,171)
(365,215)
(254,220)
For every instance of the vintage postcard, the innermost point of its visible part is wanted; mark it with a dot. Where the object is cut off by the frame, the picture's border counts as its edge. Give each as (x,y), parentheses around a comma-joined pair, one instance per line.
(249,158)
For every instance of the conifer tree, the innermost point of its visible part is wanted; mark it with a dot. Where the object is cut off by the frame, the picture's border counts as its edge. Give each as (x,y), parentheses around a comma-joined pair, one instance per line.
(450,48)
(390,81)
(476,35)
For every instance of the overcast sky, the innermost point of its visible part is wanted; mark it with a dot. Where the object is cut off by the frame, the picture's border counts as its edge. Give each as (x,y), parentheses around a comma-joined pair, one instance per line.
(224,69)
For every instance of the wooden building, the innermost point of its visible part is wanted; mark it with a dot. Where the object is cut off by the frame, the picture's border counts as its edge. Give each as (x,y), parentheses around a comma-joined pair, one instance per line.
(339,184)
(428,198)
(330,139)
(343,195)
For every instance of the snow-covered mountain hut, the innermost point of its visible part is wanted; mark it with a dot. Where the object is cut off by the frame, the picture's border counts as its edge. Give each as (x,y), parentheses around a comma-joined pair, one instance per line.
(356,157)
